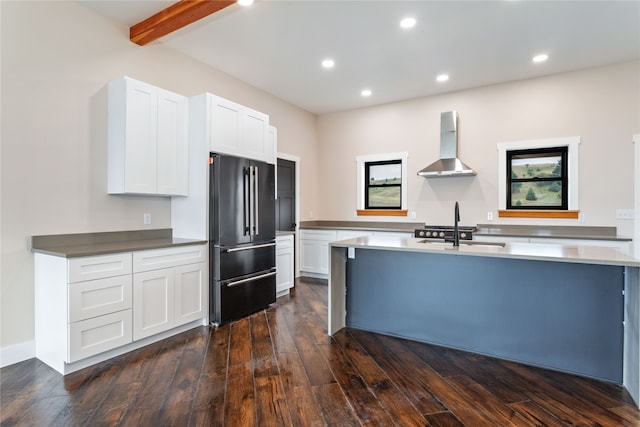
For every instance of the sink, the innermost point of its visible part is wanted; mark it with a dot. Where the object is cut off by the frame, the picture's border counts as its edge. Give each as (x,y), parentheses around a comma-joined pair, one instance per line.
(463,243)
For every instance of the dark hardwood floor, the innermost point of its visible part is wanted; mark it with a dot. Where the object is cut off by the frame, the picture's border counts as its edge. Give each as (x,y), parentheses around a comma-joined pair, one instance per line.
(278,367)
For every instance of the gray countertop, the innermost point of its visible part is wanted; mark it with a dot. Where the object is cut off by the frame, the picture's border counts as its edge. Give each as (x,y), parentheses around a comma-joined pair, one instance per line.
(551,231)
(91,244)
(528,251)
(362,225)
(507,230)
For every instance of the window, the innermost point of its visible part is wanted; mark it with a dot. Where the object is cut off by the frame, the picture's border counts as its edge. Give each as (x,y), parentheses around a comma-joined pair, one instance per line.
(537,149)
(383,185)
(537,179)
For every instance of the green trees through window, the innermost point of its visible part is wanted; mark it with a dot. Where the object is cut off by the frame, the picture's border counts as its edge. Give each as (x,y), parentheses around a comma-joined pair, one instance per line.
(537,179)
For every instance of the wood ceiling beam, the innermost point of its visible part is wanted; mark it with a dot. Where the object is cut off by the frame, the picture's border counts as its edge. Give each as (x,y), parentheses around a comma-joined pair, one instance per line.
(173,18)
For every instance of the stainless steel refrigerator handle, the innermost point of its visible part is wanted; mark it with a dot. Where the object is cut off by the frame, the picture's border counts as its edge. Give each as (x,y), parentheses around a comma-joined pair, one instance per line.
(251,202)
(248,248)
(256,202)
(247,197)
(250,279)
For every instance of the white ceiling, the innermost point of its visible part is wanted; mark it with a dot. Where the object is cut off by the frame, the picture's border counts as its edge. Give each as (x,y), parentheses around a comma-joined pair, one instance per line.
(278,45)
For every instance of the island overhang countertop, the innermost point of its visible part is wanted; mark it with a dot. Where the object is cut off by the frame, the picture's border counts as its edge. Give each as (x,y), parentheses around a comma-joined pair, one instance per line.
(527,251)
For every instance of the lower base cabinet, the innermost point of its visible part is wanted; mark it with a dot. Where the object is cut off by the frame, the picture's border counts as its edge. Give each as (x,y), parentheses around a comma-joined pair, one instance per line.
(166,298)
(284,264)
(87,307)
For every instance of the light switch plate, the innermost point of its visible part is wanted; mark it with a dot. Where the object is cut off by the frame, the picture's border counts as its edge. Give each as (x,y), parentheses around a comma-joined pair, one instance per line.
(624,213)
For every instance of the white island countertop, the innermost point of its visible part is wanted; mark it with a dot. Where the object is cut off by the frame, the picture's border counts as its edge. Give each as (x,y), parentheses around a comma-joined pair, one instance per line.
(527,251)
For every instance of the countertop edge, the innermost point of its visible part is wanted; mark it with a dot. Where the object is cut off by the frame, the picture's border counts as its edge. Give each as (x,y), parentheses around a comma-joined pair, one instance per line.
(555,236)
(614,257)
(116,247)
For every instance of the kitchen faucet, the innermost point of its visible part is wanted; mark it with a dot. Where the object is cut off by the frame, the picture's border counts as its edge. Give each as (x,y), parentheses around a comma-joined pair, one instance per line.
(456,219)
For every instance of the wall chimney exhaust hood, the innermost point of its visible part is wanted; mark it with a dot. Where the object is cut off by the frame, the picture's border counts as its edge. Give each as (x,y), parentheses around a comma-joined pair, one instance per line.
(448,164)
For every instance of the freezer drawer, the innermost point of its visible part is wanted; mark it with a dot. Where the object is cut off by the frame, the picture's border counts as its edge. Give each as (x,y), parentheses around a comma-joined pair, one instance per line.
(239,297)
(238,261)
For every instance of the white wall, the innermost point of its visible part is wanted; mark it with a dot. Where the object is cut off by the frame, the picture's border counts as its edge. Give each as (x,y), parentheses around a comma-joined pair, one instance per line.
(601,105)
(57,57)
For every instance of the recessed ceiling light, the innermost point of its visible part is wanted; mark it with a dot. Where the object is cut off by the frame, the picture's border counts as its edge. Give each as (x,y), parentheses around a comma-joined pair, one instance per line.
(328,63)
(245,2)
(408,22)
(366,92)
(540,58)
(442,77)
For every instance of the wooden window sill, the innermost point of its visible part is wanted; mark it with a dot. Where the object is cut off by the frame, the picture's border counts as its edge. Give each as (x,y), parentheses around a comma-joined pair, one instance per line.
(521,213)
(381,212)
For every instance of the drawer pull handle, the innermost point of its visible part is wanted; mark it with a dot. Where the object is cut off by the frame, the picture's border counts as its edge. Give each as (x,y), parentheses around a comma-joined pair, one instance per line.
(246,248)
(250,279)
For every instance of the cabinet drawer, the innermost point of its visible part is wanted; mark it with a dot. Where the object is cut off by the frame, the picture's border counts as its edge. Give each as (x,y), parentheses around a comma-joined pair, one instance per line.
(99,267)
(93,336)
(284,242)
(169,257)
(98,297)
(318,235)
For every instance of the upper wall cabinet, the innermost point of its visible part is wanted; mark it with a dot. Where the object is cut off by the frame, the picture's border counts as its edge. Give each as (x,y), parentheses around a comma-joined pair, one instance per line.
(148,139)
(231,128)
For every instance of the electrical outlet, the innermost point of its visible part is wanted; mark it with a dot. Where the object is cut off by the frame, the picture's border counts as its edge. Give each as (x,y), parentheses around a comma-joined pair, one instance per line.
(147,218)
(489,216)
(413,215)
(581,217)
(624,213)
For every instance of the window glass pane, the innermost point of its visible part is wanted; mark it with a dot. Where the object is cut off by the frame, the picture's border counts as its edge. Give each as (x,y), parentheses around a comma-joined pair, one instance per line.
(546,193)
(385,174)
(381,197)
(539,165)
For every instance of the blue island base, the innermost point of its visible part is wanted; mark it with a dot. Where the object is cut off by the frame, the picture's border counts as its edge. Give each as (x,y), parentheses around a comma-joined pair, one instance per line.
(557,315)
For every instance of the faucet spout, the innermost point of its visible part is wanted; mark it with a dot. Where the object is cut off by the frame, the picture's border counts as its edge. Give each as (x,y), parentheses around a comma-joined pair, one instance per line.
(456,231)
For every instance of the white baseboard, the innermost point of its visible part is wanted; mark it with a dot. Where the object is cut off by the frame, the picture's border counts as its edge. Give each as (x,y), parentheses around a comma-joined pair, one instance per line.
(17,353)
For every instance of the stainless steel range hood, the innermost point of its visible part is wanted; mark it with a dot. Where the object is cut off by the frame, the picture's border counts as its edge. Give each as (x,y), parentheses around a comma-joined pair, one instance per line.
(448,164)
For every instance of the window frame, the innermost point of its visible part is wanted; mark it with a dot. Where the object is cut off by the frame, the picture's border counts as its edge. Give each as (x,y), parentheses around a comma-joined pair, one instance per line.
(360,182)
(368,186)
(573,145)
(563,151)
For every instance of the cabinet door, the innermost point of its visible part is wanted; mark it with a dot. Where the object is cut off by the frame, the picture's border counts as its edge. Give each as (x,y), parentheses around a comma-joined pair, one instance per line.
(141,127)
(190,285)
(153,302)
(226,126)
(172,144)
(314,250)
(284,263)
(255,135)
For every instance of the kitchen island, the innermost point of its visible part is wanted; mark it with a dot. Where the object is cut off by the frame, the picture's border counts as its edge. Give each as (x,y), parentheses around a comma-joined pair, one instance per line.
(568,308)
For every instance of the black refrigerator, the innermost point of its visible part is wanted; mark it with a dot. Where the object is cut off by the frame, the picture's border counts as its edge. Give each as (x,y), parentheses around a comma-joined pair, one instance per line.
(242,232)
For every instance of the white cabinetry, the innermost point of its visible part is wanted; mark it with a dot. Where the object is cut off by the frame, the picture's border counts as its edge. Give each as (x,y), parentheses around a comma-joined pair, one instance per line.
(352,234)
(401,234)
(314,250)
(314,246)
(82,306)
(88,309)
(284,264)
(169,288)
(148,139)
(231,128)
